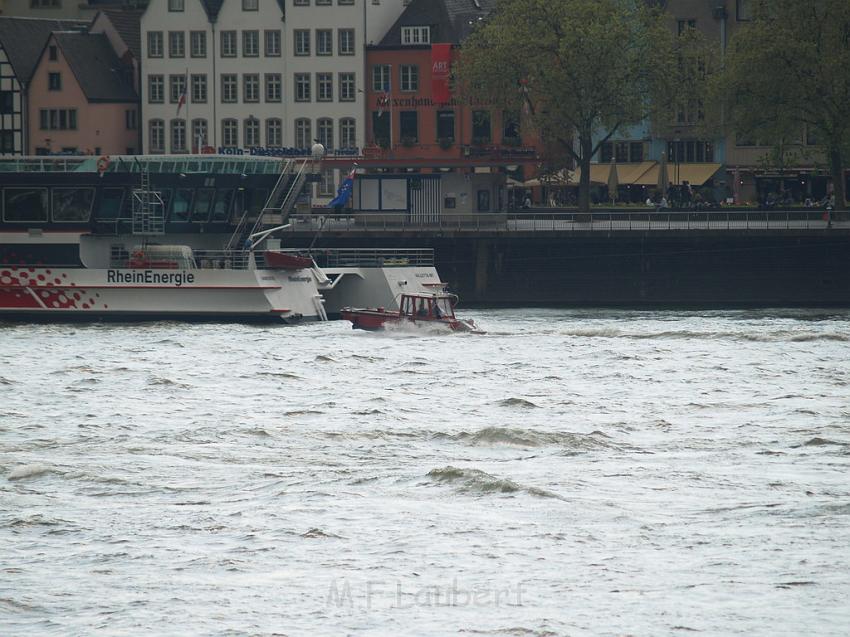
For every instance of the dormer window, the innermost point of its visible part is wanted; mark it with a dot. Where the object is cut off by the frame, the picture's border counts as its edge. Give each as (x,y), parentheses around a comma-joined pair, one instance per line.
(415,35)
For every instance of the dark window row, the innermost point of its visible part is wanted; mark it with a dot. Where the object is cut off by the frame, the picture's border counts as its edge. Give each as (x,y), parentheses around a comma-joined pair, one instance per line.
(76,205)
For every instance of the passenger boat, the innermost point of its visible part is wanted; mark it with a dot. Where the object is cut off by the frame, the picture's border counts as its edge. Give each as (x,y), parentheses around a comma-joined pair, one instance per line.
(427,309)
(177,237)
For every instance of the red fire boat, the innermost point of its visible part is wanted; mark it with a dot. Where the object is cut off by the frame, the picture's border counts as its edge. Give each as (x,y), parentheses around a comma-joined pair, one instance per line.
(416,309)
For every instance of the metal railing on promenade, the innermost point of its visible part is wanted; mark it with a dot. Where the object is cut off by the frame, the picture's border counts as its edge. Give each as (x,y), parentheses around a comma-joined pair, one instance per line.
(571,221)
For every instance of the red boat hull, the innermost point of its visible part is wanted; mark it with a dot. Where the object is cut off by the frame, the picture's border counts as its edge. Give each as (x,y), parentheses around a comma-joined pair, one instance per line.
(378,319)
(286,261)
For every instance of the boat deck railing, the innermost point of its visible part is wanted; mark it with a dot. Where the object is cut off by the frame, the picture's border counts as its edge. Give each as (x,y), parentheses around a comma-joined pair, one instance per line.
(373,257)
(573,221)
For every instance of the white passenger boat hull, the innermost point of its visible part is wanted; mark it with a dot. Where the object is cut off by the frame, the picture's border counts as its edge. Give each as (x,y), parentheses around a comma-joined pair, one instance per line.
(139,294)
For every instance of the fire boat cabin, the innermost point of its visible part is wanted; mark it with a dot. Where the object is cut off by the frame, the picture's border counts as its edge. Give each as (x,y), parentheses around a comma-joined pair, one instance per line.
(427,307)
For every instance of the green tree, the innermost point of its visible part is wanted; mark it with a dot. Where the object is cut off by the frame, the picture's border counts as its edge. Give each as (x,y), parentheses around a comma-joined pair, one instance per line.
(789,70)
(579,70)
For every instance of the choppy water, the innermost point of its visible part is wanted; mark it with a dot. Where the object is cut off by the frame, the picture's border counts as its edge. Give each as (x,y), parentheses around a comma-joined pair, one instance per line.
(570,472)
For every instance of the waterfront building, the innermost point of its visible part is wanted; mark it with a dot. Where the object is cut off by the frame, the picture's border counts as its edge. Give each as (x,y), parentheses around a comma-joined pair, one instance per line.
(22,42)
(57,9)
(81,98)
(257,76)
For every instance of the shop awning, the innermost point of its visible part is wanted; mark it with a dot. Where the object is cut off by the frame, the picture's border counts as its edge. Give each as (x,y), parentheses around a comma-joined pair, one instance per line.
(694,174)
(598,174)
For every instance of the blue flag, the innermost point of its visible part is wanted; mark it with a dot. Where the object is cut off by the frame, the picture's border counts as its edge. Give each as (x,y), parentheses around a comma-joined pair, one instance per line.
(343,194)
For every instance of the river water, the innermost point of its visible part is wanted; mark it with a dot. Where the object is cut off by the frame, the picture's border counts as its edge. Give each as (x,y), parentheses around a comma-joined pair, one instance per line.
(569,472)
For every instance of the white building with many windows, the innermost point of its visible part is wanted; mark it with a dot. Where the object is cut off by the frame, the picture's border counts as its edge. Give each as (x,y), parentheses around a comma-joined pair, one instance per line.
(257,75)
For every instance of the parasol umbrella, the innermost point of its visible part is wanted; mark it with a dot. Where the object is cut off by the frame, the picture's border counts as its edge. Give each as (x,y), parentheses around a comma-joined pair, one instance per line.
(613,181)
(662,175)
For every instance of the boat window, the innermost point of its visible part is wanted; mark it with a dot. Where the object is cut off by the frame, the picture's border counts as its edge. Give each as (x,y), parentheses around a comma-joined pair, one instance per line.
(168,167)
(445,307)
(165,195)
(257,201)
(192,167)
(25,204)
(153,167)
(180,204)
(72,204)
(203,201)
(221,206)
(109,203)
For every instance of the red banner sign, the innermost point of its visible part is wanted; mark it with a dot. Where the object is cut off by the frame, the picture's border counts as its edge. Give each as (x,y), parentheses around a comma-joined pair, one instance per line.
(441,68)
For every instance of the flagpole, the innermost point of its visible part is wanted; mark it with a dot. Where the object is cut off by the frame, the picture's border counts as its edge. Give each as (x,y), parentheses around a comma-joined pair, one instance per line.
(188,122)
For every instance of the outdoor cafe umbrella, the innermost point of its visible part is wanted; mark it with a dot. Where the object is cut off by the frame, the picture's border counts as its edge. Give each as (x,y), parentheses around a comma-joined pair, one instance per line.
(662,174)
(613,181)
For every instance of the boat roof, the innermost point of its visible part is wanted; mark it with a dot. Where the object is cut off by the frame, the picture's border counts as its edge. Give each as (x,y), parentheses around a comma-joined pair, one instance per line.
(172,164)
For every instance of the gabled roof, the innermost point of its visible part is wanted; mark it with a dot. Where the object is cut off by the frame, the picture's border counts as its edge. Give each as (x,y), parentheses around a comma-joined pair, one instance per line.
(450,20)
(23,39)
(128,24)
(101,75)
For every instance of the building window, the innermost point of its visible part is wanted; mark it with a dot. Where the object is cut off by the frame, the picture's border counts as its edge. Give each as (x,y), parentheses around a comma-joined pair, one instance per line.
(178,136)
(154,44)
(251,44)
(510,126)
(743,10)
(45,4)
(324,42)
(175,5)
(176,44)
(381,77)
(252,132)
(325,132)
(685,25)
(303,134)
(199,89)
(326,183)
(199,134)
(345,2)
(274,132)
(58,119)
(156,128)
(302,87)
(347,133)
(251,87)
(446,125)
(273,85)
(229,133)
(481,127)
(177,86)
(7,102)
(415,35)
(156,89)
(346,41)
(228,44)
(409,126)
(54,82)
(323,2)
(409,77)
(347,88)
(250,5)
(272,41)
(229,88)
(324,87)
(636,152)
(302,41)
(131,119)
(198,40)
(52,53)
(302,3)
(7,141)
(690,151)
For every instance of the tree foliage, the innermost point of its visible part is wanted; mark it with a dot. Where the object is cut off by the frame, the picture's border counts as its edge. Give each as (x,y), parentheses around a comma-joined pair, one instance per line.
(579,70)
(788,71)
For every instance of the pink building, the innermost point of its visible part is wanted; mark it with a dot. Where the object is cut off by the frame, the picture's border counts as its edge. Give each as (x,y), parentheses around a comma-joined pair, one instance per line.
(81,98)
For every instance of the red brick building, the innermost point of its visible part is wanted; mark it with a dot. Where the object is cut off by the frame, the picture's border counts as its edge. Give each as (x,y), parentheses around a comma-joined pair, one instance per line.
(413,117)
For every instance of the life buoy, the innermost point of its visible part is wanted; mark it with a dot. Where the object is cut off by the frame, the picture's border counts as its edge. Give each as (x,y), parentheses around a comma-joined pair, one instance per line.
(102,164)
